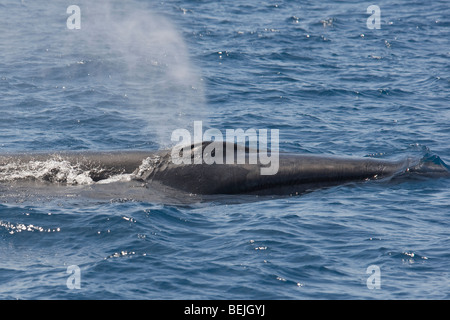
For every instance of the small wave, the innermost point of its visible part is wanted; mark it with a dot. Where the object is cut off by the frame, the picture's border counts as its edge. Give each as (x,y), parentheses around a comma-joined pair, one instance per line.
(428,162)
(422,161)
(21,227)
(432,164)
(408,257)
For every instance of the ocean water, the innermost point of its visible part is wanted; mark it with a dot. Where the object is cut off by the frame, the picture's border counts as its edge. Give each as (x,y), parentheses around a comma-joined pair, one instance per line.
(134,71)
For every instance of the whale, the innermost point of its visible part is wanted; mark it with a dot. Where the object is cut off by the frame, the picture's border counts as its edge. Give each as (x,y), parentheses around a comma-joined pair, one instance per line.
(296,174)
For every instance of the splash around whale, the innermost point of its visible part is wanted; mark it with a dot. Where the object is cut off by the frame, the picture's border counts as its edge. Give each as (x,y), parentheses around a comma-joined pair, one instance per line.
(150,171)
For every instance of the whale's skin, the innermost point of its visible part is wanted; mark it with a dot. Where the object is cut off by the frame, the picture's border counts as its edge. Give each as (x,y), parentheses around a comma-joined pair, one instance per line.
(296,173)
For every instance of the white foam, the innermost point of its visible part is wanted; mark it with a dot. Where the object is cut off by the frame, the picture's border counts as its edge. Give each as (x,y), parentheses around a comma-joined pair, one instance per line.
(116,178)
(52,170)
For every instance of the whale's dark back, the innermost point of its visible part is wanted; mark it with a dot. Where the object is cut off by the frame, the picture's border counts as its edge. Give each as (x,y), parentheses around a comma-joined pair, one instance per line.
(295,174)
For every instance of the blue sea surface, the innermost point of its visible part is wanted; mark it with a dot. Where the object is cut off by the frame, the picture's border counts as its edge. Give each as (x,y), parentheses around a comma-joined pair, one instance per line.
(137,70)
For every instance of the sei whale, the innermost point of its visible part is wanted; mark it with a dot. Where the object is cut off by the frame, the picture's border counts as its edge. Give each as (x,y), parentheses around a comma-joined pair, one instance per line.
(296,173)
